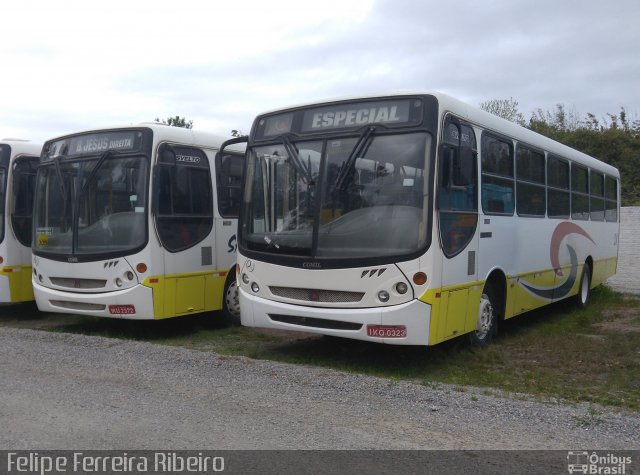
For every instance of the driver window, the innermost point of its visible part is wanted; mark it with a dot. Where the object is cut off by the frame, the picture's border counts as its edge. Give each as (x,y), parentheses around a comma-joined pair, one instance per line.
(184,206)
(457,186)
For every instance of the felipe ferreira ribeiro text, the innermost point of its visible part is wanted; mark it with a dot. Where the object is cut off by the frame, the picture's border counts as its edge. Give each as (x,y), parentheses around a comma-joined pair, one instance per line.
(79,462)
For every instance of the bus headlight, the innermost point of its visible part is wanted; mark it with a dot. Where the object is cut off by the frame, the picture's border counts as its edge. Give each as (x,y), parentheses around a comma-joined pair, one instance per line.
(383,296)
(401,288)
(255,287)
(118,282)
(129,275)
(245,278)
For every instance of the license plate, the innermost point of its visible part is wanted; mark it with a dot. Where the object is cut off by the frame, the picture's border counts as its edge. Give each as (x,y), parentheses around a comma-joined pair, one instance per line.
(122,309)
(387,331)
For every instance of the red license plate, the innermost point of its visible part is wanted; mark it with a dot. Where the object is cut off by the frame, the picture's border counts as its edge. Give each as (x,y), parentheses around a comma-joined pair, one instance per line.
(387,331)
(122,309)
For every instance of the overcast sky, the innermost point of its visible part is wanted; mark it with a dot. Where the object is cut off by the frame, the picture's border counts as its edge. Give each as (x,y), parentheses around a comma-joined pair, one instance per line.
(70,65)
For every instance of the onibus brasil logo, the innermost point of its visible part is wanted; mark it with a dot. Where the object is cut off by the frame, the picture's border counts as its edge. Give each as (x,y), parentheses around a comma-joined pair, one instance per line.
(563,230)
(597,463)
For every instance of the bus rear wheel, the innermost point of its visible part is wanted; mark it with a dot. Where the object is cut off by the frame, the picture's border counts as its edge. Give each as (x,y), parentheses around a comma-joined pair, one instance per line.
(486,321)
(584,290)
(231,300)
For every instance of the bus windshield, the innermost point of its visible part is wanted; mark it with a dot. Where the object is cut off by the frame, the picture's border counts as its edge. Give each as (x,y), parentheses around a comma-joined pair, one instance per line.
(91,206)
(338,198)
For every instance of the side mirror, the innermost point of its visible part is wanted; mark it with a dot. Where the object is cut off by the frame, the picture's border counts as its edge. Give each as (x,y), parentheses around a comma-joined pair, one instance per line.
(225,144)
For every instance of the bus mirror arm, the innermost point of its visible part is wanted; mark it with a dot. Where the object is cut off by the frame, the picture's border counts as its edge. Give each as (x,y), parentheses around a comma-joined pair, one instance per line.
(233,141)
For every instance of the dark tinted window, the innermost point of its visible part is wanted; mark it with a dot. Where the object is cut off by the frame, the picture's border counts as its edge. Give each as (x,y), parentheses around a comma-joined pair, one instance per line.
(558,195)
(184,199)
(24,179)
(229,169)
(497,176)
(530,189)
(611,195)
(579,192)
(596,181)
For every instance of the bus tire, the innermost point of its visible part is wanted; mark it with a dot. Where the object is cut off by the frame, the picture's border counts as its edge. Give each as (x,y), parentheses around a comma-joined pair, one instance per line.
(486,320)
(231,300)
(584,290)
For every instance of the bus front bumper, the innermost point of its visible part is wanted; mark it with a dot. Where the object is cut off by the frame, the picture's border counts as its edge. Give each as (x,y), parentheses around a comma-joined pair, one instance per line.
(135,303)
(414,316)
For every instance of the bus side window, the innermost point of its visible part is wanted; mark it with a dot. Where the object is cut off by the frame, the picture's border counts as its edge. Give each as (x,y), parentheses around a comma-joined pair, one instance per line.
(497,176)
(229,168)
(184,200)
(457,188)
(611,195)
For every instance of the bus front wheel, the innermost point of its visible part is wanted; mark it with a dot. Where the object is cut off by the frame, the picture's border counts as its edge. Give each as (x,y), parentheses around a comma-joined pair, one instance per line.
(486,321)
(231,300)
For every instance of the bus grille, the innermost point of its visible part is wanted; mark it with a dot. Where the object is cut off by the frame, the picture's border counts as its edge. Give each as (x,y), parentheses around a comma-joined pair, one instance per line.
(316,295)
(315,322)
(77,305)
(78,283)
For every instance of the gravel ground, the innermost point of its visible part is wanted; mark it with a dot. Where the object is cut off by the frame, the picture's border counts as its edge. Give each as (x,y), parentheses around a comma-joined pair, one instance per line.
(63,391)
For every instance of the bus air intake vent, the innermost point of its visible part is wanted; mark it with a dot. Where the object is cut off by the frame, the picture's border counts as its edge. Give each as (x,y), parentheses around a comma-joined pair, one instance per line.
(77,305)
(317,295)
(78,283)
(315,322)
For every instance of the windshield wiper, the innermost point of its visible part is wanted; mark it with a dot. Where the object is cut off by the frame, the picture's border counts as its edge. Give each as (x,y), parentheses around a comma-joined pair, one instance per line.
(92,174)
(296,160)
(347,168)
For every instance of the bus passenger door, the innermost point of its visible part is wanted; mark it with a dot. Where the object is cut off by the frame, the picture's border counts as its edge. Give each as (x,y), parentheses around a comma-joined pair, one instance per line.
(184,219)
(457,223)
(229,169)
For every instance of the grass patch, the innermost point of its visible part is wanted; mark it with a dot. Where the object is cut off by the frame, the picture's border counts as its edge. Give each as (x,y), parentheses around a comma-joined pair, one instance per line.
(558,351)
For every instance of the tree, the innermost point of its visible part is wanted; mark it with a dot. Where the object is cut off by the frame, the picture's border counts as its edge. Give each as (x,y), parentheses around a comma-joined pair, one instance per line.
(236,133)
(176,121)
(505,108)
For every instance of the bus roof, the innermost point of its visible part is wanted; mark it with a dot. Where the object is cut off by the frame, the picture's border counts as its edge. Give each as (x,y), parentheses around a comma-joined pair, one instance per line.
(167,133)
(19,147)
(487,121)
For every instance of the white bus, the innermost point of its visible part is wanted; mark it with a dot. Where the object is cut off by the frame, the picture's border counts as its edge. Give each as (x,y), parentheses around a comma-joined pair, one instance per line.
(136,222)
(18,162)
(415,218)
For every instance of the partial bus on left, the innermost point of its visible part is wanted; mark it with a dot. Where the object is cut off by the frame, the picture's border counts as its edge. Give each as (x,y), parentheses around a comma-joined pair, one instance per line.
(18,163)
(136,222)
